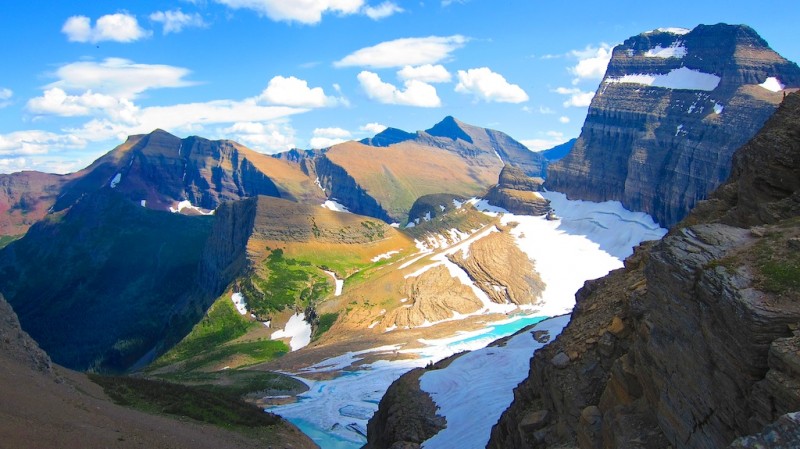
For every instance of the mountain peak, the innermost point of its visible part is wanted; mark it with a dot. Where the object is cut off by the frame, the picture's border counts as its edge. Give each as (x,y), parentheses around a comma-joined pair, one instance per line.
(451,128)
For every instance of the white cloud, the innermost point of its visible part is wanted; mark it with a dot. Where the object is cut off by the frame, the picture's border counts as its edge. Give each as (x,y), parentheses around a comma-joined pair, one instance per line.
(174,21)
(577,97)
(303,11)
(427,73)
(489,86)
(546,110)
(411,51)
(563,119)
(382,11)
(592,62)
(5,96)
(269,137)
(120,27)
(328,137)
(292,91)
(118,77)
(547,141)
(416,93)
(55,101)
(374,128)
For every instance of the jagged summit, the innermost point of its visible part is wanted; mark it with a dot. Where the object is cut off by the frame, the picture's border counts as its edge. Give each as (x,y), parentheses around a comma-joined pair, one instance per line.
(668,115)
(451,128)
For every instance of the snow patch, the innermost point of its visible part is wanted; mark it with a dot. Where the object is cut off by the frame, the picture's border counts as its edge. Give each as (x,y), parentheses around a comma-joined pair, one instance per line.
(427,216)
(335,206)
(671,30)
(678,130)
(143,203)
(718,108)
(319,184)
(498,157)
(471,394)
(772,84)
(386,255)
(240,303)
(114,182)
(457,203)
(681,78)
(186,204)
(297,330)
(338,282)
(676,50)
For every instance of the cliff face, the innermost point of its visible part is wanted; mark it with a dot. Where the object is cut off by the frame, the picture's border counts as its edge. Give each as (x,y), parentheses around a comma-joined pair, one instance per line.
(518,193)
(668,115)
(25,198)
(694,343)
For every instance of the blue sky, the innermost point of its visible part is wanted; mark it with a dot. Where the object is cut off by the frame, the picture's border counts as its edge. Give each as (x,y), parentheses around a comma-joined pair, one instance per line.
(275,74)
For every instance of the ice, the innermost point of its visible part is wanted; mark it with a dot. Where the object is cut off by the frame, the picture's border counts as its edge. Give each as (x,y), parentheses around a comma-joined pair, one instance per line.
(335,206)
(339,283)
(681,78)
(676,50)
(476,388)
(297,330)
(116,180)
(772,84)
(387,255)
(239,302)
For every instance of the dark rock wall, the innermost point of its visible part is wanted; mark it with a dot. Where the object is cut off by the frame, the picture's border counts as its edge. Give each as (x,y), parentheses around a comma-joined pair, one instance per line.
(661,150)
(344,189)
(695,342)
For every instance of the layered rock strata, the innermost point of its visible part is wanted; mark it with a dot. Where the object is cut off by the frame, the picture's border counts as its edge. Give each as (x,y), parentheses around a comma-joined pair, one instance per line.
(518,193)
(672,108)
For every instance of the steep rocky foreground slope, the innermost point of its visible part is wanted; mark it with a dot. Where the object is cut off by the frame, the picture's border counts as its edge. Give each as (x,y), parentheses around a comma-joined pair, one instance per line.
(44,405)
(694,343)
(671,110)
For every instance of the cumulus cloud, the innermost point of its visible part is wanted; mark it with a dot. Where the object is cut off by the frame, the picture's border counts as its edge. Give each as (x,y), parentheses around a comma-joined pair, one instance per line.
(413,51)
(577,97)
(374,128)
(415,93)
(269,137)
(174,21)
(328,137)
(292,91)
(489,86)
(382,11)
(547,141)
(5,96)
(427,73)
(118,77)
(592,62)
(563,119)
(55,101)
(120,27)
(303,11)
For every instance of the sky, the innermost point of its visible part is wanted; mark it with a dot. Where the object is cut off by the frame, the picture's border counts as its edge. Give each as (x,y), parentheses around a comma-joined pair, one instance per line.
(78,77)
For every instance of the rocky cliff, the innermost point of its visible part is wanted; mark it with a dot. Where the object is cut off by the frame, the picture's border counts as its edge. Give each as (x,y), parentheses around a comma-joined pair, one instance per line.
(25,198)
(695,342)
(518,193)
(672,108)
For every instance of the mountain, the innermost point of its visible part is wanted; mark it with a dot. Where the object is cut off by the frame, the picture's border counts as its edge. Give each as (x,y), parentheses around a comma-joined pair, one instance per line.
(164,172)
(25,198)
(694,343)
(45,405)
(518,193)
(558,152)
(126,280)
(672,108)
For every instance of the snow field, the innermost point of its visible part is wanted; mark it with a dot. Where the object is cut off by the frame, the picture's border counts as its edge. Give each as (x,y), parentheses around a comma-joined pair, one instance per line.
(297,330)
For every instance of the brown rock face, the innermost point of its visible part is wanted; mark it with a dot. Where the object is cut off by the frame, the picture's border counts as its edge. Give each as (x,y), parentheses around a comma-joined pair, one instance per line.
(17,345)
(499,268)
(659,149)
(694,343)
(432,296)
(25,198)
(518,193)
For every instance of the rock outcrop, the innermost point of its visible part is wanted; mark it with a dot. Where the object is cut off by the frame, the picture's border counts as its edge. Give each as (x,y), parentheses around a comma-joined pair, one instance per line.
(518,193)
(694,343)
(671,110)
(25,198)
(501,270)
(17,345)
